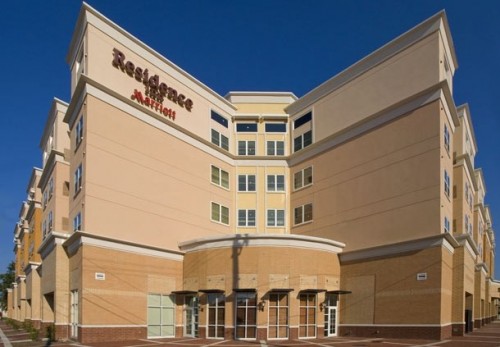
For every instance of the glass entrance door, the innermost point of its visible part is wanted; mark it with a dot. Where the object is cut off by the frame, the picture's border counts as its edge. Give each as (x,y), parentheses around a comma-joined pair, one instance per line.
(191,316)
(74,313)
(332,321)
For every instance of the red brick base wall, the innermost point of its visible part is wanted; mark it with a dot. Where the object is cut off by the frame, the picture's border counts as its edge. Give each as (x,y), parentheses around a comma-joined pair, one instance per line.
(90,335)
(417,332)
(458,329)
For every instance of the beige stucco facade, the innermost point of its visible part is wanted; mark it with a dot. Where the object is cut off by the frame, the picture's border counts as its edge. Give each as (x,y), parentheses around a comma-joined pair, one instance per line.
(257,215)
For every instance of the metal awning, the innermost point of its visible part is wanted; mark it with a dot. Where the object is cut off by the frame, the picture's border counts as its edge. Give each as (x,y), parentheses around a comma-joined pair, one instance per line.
(339,292)
(184,292)
(277,290)
(312,291)
(211,291)
(245,290)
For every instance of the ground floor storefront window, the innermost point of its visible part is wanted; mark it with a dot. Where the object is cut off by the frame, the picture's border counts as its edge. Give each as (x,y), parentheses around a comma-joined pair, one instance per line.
(330,312)
(307,320)
(216,315)
(246,315)
(161,322)
(278,316)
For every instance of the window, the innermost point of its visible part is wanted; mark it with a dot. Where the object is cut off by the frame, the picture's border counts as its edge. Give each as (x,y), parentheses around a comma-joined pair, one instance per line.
(307,315)
(191,315)
(466,221)
(246,315)
(446,183)
(302,141)
(51,187)
(303,214)
(44,229)
(220,213)
(246,147)
(303,178)
(79,131)
(220,140)
(216,315)
(446,225)
(161,315)
(50,220)
(275,127)
(246,218)
(275,147)
(481,228)
(275,183)
(45,198)
(220,177)
(446,138)
(278,316)
(78,179)
(275,218)
(246,127)
(80,63)
(302,120)
(246,183)
(77,222)
(218,118)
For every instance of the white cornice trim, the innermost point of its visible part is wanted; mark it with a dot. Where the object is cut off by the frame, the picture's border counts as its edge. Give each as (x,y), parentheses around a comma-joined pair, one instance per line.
(262,240)
(466,241)
(443,240)
(50,164)
(51,241)
(57,106)
(261,97)
(79,239)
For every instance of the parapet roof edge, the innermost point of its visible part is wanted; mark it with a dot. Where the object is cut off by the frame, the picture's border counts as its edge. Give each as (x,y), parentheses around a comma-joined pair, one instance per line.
(464,108)
(375,58)
(56,103)
(77,33)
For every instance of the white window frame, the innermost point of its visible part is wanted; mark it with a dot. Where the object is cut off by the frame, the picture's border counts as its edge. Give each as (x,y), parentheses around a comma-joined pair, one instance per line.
(78,179)
(218,179)
(278,307)
(446,138)
(310,326)
(446,184)
(446,225)
(247,147)
(302,143)
(216,207)
(247,221)
(272,145)
(50,222)
(162,307)
(300,178)
(79,132)
(247,307)
(272,183)
(302,210)
(77,222)
(247,184)
(274,221)
(219,140)
(219,305)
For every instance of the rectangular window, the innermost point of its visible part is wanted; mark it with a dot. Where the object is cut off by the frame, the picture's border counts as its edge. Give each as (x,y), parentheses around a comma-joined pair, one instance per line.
(218,118)
(45,198)
(220,140)
(246,218)
(467,224)
(246,147)
(50,221)
(446,138)
(302,120)
(446,225)
(275,127)
(246,315)
(303,178)
(220,213)
(275,183)
(51,187)
(79,131)
(307,315)
(303,214)
(246,183)
(275,147)
(161,315)
(78,178)
(302,141)
(275,218)
(44,230)
(220,177)
(446,183)
(216,315)
(77,222)
(278,316)
(246,127)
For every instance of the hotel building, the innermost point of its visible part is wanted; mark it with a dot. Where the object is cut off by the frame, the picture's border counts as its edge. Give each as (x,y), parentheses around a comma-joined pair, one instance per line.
(164,210)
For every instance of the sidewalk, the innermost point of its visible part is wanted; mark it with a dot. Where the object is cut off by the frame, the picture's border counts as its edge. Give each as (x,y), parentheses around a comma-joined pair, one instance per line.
(487,336)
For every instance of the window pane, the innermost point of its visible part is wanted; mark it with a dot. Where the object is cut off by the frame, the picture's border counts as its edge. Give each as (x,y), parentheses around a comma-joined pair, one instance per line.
(215,212)
(154,299)
(280,218)
(224,142)
(246,127)
(280,181)
(270,183)
(251,218)
(242,148)
(224,179)
(219,119)
(308,175)
(302,120)
(280,148)
(154,316)
(224,215)
(270,147)
(242,183)
(297,143)
(307,138)
(251,147)
(167,300)
(154,331)
(298,215)
(251,183)
(271,218)
(215,137)
(275,128)
(242,216)
(308,212)
(297,180)
(215,175)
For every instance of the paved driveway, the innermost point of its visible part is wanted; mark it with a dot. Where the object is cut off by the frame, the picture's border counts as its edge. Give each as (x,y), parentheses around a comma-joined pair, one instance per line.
(487,336)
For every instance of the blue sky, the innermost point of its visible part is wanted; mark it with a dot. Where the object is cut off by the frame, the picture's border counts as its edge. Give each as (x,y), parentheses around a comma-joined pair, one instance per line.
(234,46)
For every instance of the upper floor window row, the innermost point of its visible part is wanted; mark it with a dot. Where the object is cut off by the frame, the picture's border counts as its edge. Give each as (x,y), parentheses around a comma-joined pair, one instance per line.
(246,147)
(220,177)
(219,119)
(302,141)
(303,178)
